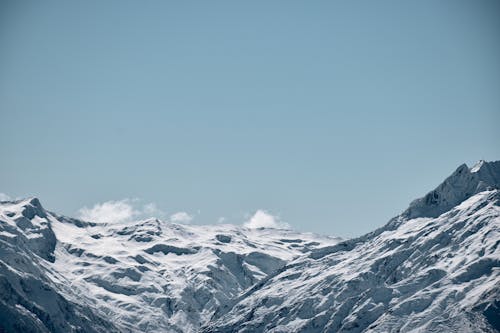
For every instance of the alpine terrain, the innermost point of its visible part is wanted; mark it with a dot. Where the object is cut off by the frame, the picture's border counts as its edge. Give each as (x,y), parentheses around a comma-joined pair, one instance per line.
(433,268)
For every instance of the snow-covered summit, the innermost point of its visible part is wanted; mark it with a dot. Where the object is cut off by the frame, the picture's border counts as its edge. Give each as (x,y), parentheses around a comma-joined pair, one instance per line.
(461,185)
(26,221)
(479,164)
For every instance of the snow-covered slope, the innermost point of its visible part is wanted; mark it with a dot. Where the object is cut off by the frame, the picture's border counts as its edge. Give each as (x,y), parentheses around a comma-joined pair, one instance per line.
(153,276)
(34,296)
(437,270)
(435,267)
(143,276)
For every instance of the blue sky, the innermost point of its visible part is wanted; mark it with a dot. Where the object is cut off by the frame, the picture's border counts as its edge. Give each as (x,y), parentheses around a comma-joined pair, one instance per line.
(330,115)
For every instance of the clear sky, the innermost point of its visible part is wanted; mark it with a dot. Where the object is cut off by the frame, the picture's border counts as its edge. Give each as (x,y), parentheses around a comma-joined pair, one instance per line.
(332,115)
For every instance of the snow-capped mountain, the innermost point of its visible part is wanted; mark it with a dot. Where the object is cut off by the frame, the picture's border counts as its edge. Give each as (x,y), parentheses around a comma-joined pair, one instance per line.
(434,268)
(60,274)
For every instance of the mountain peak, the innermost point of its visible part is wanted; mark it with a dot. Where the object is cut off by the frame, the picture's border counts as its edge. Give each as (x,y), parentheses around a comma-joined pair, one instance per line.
(478,166)
(488,173)
(35,202)
(32,207)
(463,183)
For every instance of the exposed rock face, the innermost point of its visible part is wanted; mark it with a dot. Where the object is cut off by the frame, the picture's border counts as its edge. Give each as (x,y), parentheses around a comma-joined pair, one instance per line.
(462,184)
(30,227)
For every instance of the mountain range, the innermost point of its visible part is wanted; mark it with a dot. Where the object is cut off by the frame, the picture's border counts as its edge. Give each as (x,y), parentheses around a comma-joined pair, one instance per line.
(433,268)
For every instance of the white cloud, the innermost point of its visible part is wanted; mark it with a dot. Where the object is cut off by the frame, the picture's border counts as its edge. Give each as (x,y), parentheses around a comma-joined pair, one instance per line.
(4,197)
(151,210)
(181,217)
(263,219)
(221,220)
(116,211)
(109,211)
